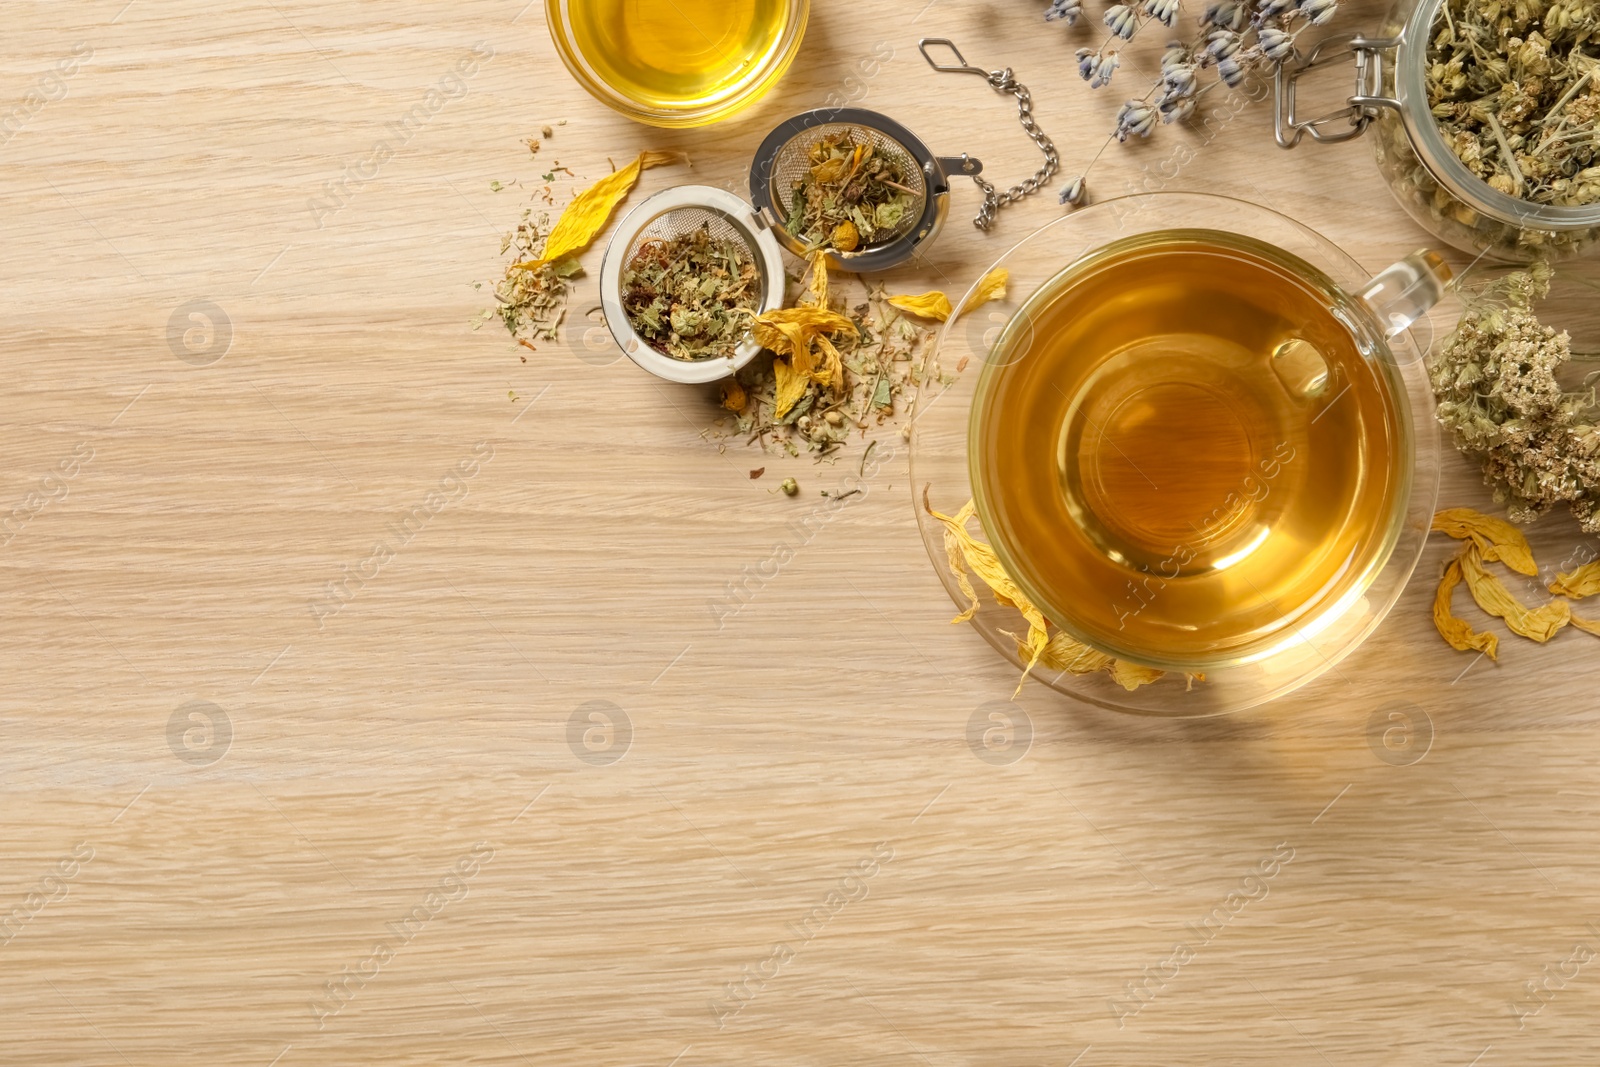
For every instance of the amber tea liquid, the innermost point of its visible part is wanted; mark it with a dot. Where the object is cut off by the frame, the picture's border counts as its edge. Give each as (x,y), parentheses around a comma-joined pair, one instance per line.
(1189,460)
(678,54)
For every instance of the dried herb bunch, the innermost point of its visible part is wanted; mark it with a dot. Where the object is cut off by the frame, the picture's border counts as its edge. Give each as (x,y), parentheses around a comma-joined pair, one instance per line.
(691,296)
(854,194)
(1497,383)
(1235,37)
(1514,94)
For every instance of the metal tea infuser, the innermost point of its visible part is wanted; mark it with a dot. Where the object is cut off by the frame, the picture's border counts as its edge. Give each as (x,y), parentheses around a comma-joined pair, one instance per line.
(784,158)
(779,165)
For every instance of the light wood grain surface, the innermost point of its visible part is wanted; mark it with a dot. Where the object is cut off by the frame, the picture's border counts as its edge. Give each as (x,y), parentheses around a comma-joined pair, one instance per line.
(378,836)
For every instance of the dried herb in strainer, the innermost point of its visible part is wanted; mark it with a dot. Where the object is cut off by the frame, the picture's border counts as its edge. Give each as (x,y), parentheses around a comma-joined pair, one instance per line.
(691,297)
(853,196)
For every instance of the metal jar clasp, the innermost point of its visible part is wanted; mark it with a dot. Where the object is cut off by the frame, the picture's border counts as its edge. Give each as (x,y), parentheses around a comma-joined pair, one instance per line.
(1361,107)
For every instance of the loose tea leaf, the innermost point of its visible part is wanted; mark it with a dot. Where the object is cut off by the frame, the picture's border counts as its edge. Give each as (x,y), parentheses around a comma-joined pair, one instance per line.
(1454,630)
(591,209)
(854,194)
(691,296)
(1496,380)
(1513,91)
(1578,583)
(1538,624)
(1496,538)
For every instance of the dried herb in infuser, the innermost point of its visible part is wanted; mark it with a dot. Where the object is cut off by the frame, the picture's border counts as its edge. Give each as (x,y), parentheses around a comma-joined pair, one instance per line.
(691,297)
(855,195)
(1514,91)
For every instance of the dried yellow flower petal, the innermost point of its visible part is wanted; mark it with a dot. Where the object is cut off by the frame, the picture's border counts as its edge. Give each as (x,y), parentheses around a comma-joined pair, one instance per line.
(791,386)
(1456,631)
(935,305)
(1496,538)
(1579,583)
(930,305)
(1131,675)
(980,558)
(792,332)
(1066,653)
(734,397)
(991,286)
(591,209)
(817,289)
(1588,626)
(1539,624)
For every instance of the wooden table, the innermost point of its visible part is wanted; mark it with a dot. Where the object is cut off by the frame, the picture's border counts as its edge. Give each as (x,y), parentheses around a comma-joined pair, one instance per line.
(508,794)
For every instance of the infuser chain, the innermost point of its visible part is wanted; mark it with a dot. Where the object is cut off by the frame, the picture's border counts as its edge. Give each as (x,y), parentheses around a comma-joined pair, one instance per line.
(1002,81)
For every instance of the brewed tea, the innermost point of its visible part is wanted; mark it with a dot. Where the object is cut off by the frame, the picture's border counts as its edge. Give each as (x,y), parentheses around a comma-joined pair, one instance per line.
(687,53)
(1184,451)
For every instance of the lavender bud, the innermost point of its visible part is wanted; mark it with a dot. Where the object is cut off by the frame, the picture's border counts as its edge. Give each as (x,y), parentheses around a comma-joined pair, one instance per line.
(1087,61)
(1179,82)
(1121,20)
(1073,193)
(1163,11)
(1176,108)
(1318,11)
(1272,9)
(1136,118)
(1231,73)
(1067,10)
(1220,44)
(1228,14)
(1176,55)
(1275,44)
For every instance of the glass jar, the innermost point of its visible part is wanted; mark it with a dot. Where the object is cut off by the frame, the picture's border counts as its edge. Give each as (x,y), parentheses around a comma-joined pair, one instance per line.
(689,63)
(1436,188)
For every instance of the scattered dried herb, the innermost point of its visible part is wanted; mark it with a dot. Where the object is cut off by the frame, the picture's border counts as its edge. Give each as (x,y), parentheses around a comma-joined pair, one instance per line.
(1514,94)
(532,302)
(1496,381)
(691,296)
(854,195)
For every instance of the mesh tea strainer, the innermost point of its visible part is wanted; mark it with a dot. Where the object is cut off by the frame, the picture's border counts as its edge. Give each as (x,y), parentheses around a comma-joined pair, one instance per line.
(674,213)
(784,158)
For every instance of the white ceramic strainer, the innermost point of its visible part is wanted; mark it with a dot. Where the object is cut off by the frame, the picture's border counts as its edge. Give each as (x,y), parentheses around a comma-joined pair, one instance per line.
(674,213)
(784,158)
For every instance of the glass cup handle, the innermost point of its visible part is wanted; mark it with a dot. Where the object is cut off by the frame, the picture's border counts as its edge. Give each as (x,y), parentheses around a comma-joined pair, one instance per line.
(1402,293)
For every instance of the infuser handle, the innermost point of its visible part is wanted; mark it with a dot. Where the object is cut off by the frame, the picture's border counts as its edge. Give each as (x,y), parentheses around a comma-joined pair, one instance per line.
(1402,293)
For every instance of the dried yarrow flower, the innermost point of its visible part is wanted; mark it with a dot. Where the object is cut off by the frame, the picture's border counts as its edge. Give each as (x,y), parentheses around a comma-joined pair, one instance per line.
(1497,383)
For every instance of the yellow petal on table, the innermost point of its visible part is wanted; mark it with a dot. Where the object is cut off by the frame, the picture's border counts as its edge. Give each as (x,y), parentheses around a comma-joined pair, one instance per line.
(980,558)
(1538,624)
(734,397)
(591,209)
(829,371)
(991,286)
(817,288)
(1588,626)
(1579,583)
(1496,538)
(1131,675)
(930,305)
(1454,630)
